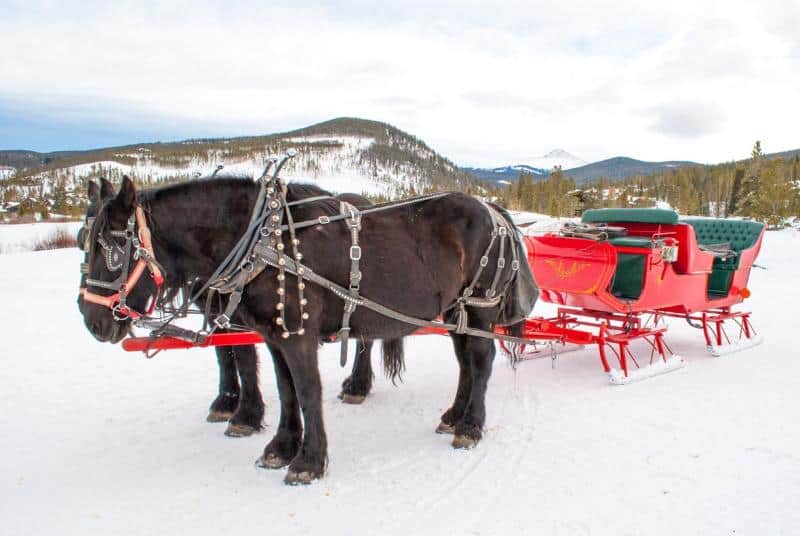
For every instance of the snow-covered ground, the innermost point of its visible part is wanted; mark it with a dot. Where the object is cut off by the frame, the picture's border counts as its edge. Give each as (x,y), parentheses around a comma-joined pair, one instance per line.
(22,237)
(97,441)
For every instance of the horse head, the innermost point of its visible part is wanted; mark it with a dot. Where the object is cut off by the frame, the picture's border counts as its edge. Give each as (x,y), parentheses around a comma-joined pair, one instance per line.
(113,291)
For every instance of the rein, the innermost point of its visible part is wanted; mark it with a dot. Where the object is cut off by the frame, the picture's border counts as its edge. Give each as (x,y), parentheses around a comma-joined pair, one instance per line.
(138,247)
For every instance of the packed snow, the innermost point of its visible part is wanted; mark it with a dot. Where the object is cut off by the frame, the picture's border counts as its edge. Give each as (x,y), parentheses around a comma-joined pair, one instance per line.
(98,441)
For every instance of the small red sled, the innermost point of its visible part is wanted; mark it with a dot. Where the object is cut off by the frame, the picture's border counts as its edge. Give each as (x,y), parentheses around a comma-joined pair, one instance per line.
(616,277)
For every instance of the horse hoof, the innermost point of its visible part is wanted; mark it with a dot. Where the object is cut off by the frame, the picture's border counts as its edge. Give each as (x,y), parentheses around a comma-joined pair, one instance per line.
(239,430)
(464,442)
(219,416)
(352,399)
(271,461)
(304,478)
(445,428)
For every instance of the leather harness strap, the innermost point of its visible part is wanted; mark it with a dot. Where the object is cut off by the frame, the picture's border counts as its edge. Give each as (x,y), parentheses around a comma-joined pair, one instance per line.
(354,224)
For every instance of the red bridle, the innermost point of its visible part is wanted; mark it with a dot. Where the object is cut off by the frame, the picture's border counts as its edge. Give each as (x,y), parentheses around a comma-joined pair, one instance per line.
(146,259)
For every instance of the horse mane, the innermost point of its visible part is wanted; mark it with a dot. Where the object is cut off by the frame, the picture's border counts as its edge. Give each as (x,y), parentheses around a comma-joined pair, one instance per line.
(295,191)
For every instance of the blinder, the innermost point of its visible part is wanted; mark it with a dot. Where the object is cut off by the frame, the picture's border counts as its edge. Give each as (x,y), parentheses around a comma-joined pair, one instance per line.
(84,233)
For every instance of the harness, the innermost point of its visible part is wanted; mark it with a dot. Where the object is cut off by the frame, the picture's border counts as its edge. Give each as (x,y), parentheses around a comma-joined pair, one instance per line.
(263,245)
(138,247)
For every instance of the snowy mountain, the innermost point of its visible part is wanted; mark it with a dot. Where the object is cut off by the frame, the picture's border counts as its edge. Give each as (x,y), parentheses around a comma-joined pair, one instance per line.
(557,157)
(540,166)
(507,173)
(341,155)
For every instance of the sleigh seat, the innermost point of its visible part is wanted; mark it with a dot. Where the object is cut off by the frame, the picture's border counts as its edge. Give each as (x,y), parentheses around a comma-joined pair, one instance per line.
(726,240)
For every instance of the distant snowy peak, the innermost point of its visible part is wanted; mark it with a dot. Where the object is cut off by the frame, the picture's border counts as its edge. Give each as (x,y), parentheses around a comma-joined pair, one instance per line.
(557,157)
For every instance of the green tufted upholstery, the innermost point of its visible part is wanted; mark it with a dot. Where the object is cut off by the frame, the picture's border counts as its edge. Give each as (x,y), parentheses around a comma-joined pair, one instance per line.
(630,215)
(739,233)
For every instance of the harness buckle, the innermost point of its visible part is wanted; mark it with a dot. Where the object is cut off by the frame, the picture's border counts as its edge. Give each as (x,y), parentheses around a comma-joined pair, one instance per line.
(324,219)
(484,260)
(223,321)
(355,253)
(120,312)
(501,262)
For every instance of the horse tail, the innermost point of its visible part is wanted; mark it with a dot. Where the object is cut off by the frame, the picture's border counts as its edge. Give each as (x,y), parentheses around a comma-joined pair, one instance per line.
(393,359)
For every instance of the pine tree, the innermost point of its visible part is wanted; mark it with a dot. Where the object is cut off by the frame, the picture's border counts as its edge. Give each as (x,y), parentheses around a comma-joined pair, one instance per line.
(751,185)
(736,189)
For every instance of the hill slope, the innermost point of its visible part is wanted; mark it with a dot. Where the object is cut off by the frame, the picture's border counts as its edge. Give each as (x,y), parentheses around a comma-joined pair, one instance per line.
(622,167)
(344,154)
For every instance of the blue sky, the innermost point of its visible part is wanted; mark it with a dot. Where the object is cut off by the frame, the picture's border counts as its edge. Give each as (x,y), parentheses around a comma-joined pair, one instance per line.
(483,83)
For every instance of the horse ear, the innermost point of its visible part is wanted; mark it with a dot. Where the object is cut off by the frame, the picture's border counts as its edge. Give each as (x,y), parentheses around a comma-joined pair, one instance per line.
(127,194)
(106,189)
(93,191)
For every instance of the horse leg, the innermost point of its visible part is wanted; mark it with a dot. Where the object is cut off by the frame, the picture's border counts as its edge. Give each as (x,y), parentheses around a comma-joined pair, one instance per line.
(224,405)
(357,386)
(286,443)
(309,463)
(468,430)
(456,411)
(249,413)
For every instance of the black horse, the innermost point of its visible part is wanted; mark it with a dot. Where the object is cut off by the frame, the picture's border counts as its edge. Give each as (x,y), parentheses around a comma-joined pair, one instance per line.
(417,259)
(242,406)
(239,401)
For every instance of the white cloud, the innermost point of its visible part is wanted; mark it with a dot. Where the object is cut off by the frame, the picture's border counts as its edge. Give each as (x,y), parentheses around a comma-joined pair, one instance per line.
(483,83)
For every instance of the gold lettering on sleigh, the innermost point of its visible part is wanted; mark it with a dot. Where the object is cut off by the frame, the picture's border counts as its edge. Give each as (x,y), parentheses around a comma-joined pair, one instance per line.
(564,270)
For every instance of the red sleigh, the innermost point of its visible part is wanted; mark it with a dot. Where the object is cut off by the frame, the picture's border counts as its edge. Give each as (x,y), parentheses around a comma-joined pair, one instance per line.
(639,266)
